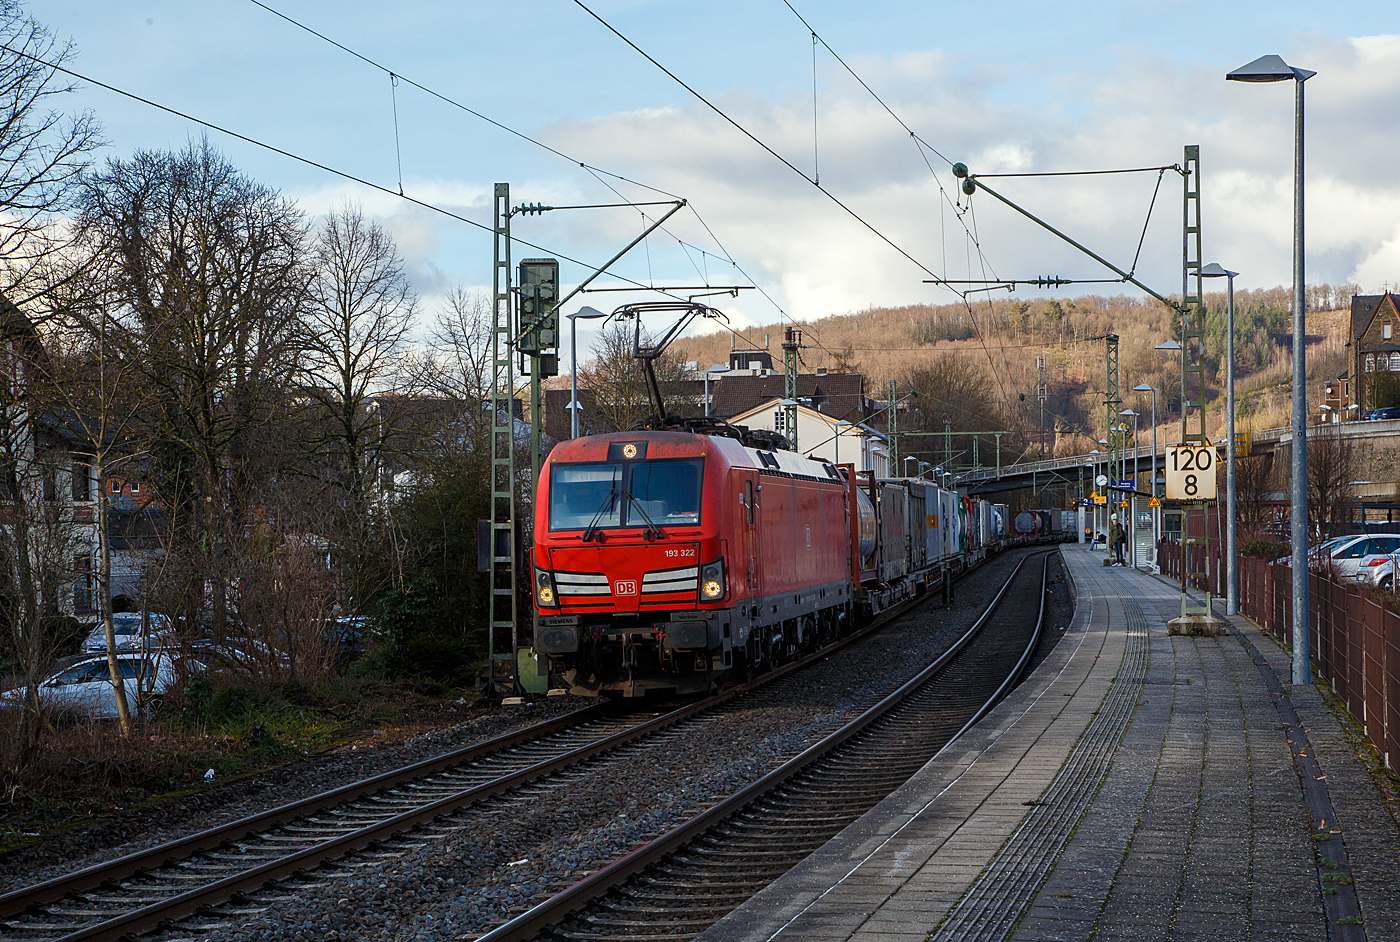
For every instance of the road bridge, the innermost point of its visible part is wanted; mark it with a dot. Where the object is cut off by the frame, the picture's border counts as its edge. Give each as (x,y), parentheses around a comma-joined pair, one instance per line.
(1068,469)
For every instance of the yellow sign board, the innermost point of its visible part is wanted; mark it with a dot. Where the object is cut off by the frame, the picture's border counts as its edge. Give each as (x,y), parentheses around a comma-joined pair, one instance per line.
(1154,502)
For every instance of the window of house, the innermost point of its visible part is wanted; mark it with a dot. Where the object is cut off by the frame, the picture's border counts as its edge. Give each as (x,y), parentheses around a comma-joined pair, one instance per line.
(1385,332)
(1395,362)
(82,478)
(135,488)
(82,583)
(1370,363)
(116,487)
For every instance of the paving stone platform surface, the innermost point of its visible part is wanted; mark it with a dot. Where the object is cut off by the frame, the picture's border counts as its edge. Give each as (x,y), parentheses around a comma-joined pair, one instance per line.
(1136,786)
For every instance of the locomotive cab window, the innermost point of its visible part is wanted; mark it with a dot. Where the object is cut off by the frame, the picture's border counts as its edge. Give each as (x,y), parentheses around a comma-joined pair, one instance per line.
(664,492)
(583,495)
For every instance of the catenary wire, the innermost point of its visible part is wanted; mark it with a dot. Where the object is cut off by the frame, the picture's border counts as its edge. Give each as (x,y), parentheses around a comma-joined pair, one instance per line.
(744,131)
(305,160)
(457,104)
(598,173)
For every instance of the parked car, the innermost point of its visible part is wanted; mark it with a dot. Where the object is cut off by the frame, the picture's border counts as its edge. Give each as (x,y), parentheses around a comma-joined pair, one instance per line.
(1347,557)
(134,632)
(1317,553)
(85,687)
(1378,571)
(1389,412)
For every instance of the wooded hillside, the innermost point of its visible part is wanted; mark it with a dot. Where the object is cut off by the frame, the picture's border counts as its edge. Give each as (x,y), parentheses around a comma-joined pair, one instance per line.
(999,339)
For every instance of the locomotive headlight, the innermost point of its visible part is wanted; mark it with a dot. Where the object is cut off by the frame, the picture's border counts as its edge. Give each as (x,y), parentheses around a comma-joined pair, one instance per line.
(544,588)
(712,581)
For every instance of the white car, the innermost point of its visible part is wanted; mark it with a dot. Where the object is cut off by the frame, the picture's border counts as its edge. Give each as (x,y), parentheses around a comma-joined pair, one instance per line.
(1378,571)
(1347,557)
(127,626)
(85,688)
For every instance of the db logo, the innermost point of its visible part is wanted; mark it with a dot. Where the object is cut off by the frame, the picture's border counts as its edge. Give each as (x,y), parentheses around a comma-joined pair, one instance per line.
(625,587)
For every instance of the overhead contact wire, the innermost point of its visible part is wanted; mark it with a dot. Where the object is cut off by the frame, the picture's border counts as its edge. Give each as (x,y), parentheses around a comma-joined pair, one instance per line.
(744,131)
(308,161)
(457,104)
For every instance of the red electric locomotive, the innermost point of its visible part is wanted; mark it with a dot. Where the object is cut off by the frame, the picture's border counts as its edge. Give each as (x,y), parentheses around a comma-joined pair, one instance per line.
(663,559)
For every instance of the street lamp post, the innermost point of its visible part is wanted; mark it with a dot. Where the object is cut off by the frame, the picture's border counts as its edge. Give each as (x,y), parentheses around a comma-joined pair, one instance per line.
(1156,511)
(1232,573)
(587,313)
(1274,69)
(1132,498)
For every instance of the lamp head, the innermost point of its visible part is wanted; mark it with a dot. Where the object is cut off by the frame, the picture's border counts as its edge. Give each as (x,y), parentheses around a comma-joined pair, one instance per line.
(586,312)
(1268,69)
(1216,270)
(1169,345)
(1143,387)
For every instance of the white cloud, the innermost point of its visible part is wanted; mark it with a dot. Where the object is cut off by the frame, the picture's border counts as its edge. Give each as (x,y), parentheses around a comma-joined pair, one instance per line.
(1132,107)
(818,260)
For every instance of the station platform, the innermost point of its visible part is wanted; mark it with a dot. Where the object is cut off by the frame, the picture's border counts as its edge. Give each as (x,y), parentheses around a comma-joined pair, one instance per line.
(1135,786)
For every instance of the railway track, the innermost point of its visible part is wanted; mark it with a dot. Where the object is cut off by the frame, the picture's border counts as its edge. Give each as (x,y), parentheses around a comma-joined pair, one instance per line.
(686,880)
(210,872)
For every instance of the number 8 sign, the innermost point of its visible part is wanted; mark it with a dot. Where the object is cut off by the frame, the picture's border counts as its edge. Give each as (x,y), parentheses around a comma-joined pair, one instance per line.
(1191,472)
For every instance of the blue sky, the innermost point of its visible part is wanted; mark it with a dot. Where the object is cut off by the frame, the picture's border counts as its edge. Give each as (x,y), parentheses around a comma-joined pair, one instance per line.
(1002,86)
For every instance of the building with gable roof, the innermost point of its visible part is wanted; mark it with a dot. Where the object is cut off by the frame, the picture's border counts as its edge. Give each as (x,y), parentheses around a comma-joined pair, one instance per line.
(1374,345)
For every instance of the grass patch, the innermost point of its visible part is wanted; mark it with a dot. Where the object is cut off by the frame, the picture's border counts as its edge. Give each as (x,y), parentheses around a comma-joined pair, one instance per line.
(78,773)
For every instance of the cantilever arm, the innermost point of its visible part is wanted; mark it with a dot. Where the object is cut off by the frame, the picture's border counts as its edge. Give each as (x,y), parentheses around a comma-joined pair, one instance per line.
(1089,252)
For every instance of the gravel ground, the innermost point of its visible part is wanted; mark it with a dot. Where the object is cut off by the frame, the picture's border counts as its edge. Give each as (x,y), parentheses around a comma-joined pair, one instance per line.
(137,829)
(505,855)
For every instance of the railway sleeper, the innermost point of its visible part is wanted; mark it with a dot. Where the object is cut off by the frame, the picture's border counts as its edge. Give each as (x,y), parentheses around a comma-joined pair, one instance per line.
(725,867)
(621,921)
(581,936)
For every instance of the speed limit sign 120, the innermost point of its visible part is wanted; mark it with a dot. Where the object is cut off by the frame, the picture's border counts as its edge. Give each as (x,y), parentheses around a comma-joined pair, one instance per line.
(1191,472)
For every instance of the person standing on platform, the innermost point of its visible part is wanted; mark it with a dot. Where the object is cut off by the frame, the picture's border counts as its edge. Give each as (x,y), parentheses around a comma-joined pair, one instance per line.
(1116,539)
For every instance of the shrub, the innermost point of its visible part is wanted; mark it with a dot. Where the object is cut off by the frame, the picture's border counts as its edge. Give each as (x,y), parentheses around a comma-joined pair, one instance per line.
(1265,549)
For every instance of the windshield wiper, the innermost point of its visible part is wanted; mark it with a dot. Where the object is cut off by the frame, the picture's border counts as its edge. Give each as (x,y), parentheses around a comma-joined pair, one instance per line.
(652,532)
(608,502)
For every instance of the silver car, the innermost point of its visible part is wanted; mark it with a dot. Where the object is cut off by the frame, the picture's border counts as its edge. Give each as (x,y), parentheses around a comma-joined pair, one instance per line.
(1378,571)
(134,632)
(85,688)
(1347,558)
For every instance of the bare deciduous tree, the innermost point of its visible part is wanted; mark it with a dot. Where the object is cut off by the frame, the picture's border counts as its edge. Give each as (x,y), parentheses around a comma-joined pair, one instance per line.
(38,538)
(207,271)
(1254,485)
(951,387)
(42,151)
(615,376)
(358,316)
(1331,469)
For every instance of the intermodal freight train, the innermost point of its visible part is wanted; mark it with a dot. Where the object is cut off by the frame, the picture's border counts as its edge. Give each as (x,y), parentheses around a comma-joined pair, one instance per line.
(666,561)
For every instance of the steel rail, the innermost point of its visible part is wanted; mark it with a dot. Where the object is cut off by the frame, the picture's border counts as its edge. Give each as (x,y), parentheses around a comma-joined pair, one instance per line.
(201,898)
(18,901)
(535,920)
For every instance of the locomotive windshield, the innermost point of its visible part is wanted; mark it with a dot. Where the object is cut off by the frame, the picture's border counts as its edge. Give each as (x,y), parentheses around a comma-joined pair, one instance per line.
(664,492)
(585,495)
(645,493)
